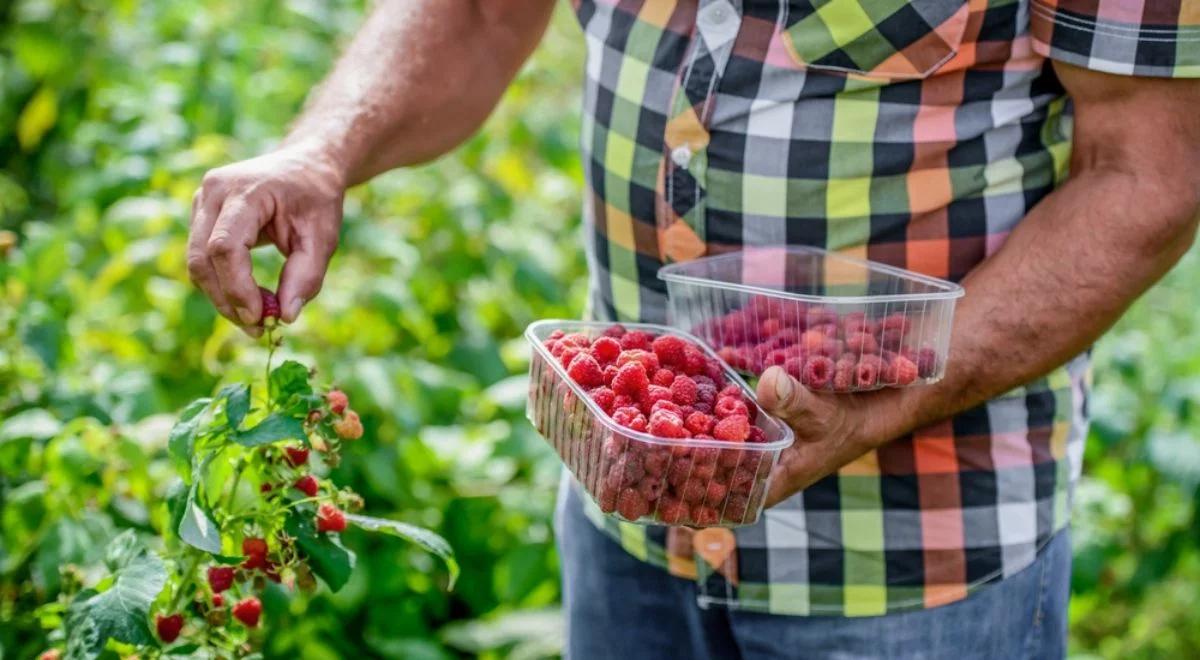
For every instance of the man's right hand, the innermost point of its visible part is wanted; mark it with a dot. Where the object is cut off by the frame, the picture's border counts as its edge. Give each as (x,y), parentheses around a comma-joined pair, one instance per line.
(291,197)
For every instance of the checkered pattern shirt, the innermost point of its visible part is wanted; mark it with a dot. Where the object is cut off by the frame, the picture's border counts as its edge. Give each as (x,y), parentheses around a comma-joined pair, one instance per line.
(916,134)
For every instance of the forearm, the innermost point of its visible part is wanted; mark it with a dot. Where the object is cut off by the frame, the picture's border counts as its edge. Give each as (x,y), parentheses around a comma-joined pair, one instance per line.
(1063,277)
(418,79)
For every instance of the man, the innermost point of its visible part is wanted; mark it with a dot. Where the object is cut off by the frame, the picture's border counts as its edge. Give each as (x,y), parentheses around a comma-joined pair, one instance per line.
(935,135)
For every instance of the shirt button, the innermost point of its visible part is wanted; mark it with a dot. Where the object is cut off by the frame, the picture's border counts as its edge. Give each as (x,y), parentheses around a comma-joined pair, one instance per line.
(718,14)
(681,156)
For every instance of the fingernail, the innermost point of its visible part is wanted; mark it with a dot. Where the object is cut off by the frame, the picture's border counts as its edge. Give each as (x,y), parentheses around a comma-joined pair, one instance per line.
(783,387)
(253,331)
(293,308)
(246,317)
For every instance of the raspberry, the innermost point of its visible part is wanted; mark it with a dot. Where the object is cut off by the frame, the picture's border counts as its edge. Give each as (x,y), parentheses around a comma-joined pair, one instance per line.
(614,446)
(794,367)
(556,347)
(297,456)
(656,462)
(699,422)
(735,429)
(577,339)
(606,349)
(663,377)
(349,427)
(776,357)
(555,335)
(663,404)
(742,481)
(895,321)
(705,516)
(736,508)
(866,374)
(670,350)
(255,551)
(568,355)
(168,627)
(728,406)
(338,401)
(606,499)
(330,519)
(860,342)
(666,424)
(270,304)
(818,372)
(307,485)
(652,395)
(631,505)
(247,610)
(220,578)
(641,424)
(770,327)
(615,331)
(901,371)
(684,391)
(646,358)
(671,510)
(694,490)
(843,374)
(631,379)
(812,341)
(729,458)
(651,488)
(715,493)
(927,360)
(636,339)
(586,371)
(679,471)
(605,398)
(891,339)
(626,416)
(218,600)
(757,434)
(694,362)
(48,654)
(732,391)
(610,372)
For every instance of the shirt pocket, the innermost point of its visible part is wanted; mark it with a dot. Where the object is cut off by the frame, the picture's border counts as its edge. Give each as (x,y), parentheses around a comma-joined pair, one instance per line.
(888,39)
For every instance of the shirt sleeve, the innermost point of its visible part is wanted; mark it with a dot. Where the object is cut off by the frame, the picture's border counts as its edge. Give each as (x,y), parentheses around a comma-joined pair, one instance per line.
(1158,38)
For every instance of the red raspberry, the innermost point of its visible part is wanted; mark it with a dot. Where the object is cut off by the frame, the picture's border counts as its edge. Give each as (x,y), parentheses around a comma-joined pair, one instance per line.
(556,348)
(218,601)
(757,435)
(895,321)
(741,481)
(684,391)
(624,401)
(927,360)
(255,551)
(860,343)
(169,627)
(901,371)
(568,355)
(729,458)
(776,358)
(843,374)
(615,331)
(705,516)
(330,519)
(656,462)
(715,493)
(812,341)
(248,610)
(666,424)
(636,339)
(867,373)
(715,371)
(606,349)
(679,471)
(555,335)
(699,422)
(770,327)
(586,371)
(631,379)
(818,372)
(663,404)
(605,398)
(610,372)
(606,499)
(736,508)
(663,377)
(671,510)
(735,429)
(694,490)
(338,401)
(577,339)
(297,456)
(652,395)
(631,505)
(732,391)
(626,415)
(349,427)
(220,578)
(307,485)
(627,470)
(646,358)
(728,406)
(794,367)
(694,362)
(671,350)
(650,488)
(614,446)
(270,304)
(891,339)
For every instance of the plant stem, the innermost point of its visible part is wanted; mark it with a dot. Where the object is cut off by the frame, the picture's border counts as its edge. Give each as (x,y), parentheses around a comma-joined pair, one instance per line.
(185,583)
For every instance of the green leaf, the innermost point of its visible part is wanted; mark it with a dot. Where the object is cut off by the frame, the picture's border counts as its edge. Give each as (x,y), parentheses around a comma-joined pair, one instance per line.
(34,423)
(182,649)
(182,439)
(274,428)
(197,528)
(329,559)
(237,403)
(288,379)
(418,535)
(122,611)
(38,117)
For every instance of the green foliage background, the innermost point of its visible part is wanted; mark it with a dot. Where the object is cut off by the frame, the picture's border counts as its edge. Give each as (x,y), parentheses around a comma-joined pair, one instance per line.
(109,114)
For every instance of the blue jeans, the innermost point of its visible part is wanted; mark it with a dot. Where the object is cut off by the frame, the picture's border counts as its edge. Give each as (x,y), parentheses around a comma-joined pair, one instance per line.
(620,607)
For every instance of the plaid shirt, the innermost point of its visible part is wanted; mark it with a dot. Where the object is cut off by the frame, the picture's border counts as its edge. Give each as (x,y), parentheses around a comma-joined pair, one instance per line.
(917,134)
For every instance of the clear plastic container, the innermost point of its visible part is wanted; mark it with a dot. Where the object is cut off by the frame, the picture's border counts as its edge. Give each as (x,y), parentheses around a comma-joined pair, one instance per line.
(700,483)
(834,322)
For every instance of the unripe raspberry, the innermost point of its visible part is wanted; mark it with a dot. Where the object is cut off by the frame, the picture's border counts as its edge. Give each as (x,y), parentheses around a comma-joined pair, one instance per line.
(338,401)
(330,519)
(168,627)
(349,427)
(49,654)
(221,578)
(270,304)
(248,610)
(308,485)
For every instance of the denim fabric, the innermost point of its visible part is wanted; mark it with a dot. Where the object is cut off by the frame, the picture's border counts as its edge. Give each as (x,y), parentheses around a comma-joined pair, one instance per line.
(620,607)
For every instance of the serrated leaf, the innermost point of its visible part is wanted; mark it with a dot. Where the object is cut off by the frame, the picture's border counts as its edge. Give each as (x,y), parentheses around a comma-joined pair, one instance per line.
(418,535)
(237,403)
(121,550)
(289,379)
(182,439)
(273,428)
(197,528)
(121,612)
(329,559)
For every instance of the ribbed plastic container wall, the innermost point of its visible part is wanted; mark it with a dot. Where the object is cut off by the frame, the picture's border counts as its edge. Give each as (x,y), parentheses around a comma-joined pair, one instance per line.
(702,483)
(835,323)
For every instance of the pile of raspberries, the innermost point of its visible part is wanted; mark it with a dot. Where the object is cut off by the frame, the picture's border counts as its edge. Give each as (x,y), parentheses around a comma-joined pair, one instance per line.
(670,388)
(820,348)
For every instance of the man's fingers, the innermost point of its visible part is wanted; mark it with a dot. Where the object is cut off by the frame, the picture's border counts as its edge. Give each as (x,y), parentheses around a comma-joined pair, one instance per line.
(234,234)
(200,268)
(784,397)
(303,274)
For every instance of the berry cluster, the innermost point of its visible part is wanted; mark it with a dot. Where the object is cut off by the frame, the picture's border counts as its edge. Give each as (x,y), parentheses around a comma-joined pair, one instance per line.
(670,388)
(823,350)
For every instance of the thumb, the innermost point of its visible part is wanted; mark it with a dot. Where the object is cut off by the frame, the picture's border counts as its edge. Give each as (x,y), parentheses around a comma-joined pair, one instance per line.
(301,279)
(783,396)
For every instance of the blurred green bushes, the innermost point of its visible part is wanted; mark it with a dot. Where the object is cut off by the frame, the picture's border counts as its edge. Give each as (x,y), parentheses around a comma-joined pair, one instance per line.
(109,114)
